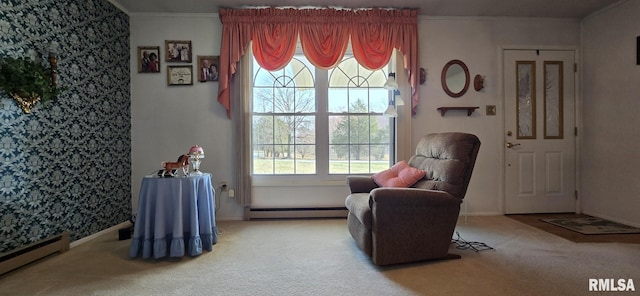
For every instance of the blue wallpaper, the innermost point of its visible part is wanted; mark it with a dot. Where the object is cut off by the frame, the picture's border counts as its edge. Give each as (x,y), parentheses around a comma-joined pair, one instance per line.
(67,165)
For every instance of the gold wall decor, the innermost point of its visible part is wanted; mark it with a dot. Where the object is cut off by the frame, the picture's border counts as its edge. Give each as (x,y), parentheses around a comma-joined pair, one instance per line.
(26,102)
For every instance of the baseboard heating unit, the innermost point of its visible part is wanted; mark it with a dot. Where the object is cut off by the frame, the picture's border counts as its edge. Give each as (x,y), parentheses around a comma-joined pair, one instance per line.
(279,213)
(35,251)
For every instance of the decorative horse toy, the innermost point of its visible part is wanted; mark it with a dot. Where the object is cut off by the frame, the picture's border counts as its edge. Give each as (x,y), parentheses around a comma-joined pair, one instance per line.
(182,163)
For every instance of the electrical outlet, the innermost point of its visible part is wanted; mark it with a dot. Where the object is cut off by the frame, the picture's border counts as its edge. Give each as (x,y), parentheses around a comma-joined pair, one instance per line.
(232,193)
(223,186)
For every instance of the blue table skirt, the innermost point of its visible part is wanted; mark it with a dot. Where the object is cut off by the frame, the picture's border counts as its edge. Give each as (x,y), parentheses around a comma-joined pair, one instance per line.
(158,247)
(169,206)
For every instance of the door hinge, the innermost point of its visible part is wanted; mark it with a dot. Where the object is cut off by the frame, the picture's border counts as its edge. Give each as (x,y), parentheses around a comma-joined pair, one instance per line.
(575,67)
(575,193)
(575,131)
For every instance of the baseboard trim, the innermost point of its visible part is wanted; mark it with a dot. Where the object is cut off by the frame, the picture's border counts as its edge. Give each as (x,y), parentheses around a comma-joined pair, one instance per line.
(288,213)
(33,252)
(98,234)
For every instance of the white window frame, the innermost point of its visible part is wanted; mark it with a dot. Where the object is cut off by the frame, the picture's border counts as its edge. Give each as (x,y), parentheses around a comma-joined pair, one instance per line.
(402,125)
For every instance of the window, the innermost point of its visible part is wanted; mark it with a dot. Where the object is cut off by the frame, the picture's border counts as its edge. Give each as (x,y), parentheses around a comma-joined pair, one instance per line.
(308,121)
(359,133)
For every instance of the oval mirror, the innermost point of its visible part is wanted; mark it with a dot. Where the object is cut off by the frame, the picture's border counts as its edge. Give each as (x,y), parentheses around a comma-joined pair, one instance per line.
(455,78)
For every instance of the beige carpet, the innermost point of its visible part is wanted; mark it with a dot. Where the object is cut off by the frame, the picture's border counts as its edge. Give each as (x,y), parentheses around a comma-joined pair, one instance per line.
(318,257)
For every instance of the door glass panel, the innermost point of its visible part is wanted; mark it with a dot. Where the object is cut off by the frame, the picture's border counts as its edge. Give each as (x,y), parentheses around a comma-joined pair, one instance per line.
(553,90)
(526,92)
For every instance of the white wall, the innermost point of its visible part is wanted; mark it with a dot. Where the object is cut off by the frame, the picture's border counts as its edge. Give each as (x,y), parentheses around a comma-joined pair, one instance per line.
(478,42)
(611,106)
(167,120)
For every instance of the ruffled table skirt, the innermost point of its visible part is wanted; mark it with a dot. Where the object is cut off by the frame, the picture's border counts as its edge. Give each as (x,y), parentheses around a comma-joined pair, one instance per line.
(157,248)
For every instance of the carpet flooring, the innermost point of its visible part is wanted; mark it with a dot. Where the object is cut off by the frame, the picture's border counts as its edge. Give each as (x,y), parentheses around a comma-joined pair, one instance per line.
(319,257)
(535,221)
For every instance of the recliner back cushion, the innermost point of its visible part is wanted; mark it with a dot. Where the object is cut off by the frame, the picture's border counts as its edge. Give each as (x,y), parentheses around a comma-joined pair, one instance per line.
(448,159)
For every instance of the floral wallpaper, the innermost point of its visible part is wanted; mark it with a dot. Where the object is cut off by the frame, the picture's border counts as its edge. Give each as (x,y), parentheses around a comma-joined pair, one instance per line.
(67,165)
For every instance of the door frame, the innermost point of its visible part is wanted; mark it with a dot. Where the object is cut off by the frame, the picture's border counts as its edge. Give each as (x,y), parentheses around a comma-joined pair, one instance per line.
(577,110)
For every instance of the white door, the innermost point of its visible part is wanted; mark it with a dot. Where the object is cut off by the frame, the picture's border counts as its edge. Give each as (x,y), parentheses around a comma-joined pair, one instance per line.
(539,131)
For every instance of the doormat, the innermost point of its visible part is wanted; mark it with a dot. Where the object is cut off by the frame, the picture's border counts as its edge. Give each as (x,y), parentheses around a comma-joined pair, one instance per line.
(592,225)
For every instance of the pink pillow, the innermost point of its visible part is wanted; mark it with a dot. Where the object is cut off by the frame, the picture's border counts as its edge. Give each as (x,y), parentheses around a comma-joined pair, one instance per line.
(399,175)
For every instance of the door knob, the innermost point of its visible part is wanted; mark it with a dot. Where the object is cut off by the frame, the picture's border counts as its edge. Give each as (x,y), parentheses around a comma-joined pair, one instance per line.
(511,145)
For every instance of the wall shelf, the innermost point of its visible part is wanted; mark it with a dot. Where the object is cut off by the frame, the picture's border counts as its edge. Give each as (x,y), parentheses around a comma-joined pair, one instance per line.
(443,110)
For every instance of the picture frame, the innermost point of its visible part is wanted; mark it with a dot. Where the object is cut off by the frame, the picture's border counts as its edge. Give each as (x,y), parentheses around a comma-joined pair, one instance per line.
(148,59)
(180,75)
(178,51)
(208,68)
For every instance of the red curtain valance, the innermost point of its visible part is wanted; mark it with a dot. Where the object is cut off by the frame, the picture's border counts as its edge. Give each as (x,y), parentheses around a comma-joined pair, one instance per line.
(324,35)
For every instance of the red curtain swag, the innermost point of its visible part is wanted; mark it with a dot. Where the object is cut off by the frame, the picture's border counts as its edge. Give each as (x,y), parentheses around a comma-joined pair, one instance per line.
(324,35)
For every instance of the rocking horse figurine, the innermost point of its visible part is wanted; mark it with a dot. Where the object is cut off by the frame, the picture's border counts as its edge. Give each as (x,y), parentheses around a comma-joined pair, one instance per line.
(182,163)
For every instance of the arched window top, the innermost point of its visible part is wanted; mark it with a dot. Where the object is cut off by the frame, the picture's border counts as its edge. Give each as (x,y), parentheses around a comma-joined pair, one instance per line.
(287,90)
(349,73)
(296,74)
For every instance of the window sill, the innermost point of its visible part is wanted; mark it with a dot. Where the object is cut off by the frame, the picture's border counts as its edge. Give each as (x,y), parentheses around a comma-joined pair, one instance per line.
(295,181)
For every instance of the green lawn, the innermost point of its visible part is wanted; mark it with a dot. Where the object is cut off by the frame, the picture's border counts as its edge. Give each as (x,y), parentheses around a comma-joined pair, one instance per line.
(286,166)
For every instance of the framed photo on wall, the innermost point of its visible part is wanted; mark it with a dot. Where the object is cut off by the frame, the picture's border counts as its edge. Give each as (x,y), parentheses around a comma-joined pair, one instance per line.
(178,51)
(180,75)
(148,59)
(208,68)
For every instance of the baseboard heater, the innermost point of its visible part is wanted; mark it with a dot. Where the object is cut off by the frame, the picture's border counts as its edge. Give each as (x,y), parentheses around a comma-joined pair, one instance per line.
(35,251)
(279,213)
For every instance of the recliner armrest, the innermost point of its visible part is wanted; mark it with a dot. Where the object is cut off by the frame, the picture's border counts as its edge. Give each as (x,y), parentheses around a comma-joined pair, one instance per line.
(412,197)
(361,184)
